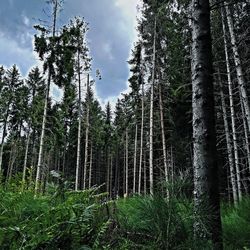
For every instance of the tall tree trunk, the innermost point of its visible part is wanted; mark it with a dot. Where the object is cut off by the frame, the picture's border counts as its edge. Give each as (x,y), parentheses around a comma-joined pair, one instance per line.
(40,155)
(117,172)
(86,137)
(126,162)
(12,161)
(25,159)
(231,101)
(245,133)
(111,176)
(78,156)
(163,139)
(238,64)
(141,142)
(206,183)
(228,142)
(108,171)
(145,173)
(135,157)
(151,120)
(90,164)
(3,136)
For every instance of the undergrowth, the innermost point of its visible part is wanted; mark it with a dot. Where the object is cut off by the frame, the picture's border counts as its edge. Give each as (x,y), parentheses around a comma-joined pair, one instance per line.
(63,219)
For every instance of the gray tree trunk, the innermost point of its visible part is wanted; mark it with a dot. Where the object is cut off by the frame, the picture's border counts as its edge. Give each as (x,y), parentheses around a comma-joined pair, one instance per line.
(3,136)
(126,165)
(238,64)
(163,139)
(111,176)
(245,133)
(229,143)
(151,120)
(108,172)
(135,158)
(90,165)
(40,155)
(86,138)
(206,188)
(25,160)
(231,101)
(78,156)
(141,142)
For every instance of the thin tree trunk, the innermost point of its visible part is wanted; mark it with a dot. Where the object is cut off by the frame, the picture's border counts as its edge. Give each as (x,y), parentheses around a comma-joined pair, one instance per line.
(12,161)
(145,173)
(135,158)
(25,159)
(231,101)
(3,137)
(228,142)
(90,165)
(245,134)
(151,120)
(78,156)
(86,137)
(141,143)
(126,160)
(40,155)
(108,172)
(111,176)
(163,139)
(238,64)
(206,181)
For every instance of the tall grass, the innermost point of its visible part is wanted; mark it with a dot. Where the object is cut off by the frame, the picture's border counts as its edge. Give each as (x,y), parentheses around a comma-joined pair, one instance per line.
(64,219)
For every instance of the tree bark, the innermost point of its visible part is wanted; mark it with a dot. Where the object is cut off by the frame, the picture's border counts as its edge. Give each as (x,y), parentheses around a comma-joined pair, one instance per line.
(135,158)
(163,139)
(78,156)
(40,155)
(151,120)
(238,64)
(3,136)
(90,165)
(245,133)
(228,142)
(206,186)
(126,165)
(25,160)
(108,171)
(141,142)
(231,101)
(86,138)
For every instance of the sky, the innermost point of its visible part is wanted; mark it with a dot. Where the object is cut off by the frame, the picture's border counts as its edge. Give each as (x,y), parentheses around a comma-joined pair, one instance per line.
(112,33)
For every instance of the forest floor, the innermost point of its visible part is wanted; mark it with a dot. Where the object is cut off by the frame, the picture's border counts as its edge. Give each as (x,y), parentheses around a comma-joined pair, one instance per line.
(88,220)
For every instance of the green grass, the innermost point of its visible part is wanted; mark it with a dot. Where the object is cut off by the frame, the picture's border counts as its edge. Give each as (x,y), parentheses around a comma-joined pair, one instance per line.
(85,220)
(78,221)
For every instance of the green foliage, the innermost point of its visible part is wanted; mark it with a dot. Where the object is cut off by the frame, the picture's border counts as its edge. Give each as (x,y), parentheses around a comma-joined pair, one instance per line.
(156,221)
(236,225)
(86,220)
(77,222)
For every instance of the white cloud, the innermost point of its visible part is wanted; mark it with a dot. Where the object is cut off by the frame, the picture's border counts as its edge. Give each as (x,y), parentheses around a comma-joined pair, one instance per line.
(26,20)
(108,50)
(11,49)
(129,11)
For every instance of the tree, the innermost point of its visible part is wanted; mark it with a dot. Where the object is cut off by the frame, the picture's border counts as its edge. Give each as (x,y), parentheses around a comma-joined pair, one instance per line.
(206,192)
(43,48)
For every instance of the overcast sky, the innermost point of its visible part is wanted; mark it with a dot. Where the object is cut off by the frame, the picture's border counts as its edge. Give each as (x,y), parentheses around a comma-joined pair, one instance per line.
(112,33)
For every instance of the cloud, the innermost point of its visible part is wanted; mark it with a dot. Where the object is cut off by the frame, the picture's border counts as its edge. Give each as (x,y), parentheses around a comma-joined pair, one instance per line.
(15,54)
(112,32)
(26,20)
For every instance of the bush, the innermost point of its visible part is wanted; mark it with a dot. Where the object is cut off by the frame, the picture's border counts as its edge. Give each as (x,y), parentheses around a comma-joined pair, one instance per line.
(78,222)
(236,225)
